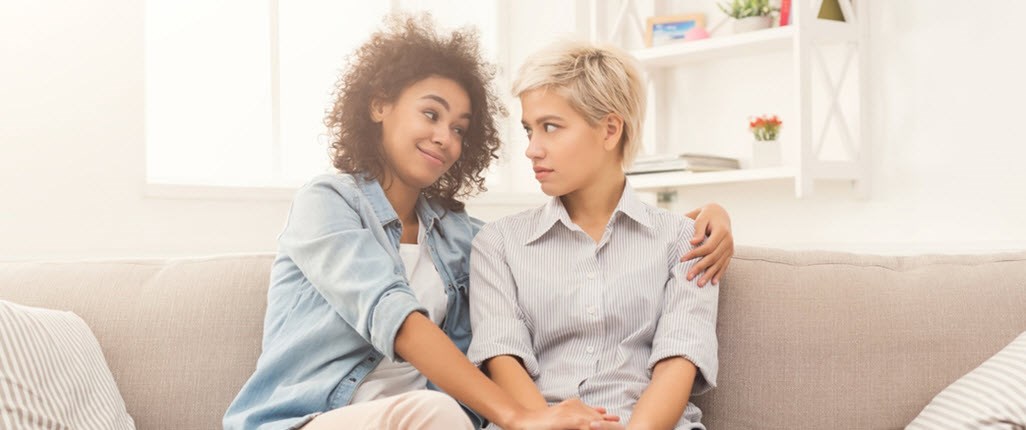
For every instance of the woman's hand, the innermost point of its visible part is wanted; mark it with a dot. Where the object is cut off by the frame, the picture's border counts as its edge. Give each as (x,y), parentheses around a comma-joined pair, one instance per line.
(568,414)
(711,220)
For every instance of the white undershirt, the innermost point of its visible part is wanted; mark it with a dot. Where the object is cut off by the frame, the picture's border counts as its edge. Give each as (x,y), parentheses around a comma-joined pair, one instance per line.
(391,378)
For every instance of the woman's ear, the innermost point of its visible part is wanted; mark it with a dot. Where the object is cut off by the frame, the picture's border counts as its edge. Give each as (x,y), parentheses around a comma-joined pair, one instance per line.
(613,125)
(378,109)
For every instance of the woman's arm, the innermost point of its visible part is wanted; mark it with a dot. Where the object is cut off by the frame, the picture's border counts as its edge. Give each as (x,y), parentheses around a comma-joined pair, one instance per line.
(427,348)
(666,397)
(684,357)
(326,238)
(510,375)
(499,324)
(711,220)
(502,340)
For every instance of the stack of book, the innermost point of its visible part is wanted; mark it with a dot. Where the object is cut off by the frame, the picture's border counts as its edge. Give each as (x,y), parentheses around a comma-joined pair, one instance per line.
(682,163)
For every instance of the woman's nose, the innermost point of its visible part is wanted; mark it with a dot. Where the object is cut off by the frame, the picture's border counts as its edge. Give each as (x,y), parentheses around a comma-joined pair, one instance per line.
(534,149)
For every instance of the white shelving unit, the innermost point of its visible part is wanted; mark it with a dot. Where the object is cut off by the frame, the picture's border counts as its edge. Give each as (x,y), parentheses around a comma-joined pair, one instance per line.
(805,38)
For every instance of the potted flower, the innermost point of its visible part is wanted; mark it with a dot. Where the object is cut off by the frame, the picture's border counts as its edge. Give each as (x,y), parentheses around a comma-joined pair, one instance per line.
(748,14)
(766,148)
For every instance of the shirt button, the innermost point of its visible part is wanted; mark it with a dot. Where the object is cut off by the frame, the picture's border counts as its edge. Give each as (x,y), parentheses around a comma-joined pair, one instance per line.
(590,350)
(591,275)
(591,310)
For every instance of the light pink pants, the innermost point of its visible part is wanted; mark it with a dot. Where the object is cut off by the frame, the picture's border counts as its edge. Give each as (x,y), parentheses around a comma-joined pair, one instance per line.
(415,410)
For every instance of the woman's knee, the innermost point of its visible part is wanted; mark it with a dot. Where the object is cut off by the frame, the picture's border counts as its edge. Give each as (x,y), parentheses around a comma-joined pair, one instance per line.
(435,408)
(420,410)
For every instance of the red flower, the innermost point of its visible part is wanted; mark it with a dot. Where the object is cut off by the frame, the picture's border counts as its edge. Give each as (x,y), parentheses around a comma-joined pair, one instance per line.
(764,127)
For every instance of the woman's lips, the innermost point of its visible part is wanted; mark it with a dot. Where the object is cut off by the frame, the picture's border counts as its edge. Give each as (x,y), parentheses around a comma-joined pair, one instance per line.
(541,173)
(432,158)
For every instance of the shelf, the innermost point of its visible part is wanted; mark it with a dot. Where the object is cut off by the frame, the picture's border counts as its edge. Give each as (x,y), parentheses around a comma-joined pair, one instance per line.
(669,180)
(733,46)
(804,43)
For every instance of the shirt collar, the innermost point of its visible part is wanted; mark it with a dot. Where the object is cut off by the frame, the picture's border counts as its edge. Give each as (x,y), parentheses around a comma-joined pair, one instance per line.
(426,212)
(554,211)
(550,213)
(632,206)
(429,215)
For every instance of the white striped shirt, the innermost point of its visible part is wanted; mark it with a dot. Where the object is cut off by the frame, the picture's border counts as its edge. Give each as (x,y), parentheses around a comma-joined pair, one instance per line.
(591,321)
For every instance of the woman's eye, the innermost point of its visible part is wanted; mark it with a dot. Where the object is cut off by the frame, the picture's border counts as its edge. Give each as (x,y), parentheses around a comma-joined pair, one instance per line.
(549,128)
(460,131)
(528,131)
(431,115)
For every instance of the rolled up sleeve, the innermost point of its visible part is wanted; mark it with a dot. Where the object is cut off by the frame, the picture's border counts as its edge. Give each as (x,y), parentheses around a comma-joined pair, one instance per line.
(327,239)
(496,318)
(687,326)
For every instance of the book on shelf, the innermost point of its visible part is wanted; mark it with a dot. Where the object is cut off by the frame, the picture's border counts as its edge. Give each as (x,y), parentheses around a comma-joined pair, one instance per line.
(785,12)
(682,162)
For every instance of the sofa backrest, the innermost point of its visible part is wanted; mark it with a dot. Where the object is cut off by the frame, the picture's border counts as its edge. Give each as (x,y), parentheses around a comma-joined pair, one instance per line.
(180,336)
(823,340)
(808,340)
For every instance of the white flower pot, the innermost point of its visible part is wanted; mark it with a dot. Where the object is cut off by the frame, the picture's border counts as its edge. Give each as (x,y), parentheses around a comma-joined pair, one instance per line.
(752,23)
(766,153)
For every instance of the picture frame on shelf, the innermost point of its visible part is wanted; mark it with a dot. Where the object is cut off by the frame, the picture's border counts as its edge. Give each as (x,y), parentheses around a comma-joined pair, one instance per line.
(660,30)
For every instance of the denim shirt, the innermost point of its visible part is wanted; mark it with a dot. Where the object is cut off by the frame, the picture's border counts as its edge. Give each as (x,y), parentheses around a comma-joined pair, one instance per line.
(338,296)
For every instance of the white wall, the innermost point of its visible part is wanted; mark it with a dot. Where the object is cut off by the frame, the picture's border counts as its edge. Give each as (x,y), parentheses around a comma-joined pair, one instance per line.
(947,142)
(946,110)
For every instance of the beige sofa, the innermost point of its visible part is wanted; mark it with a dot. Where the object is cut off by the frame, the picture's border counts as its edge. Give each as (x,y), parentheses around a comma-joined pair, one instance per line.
(808,340)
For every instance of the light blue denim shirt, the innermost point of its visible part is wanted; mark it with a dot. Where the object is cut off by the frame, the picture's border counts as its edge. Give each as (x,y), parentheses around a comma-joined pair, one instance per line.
(338,295)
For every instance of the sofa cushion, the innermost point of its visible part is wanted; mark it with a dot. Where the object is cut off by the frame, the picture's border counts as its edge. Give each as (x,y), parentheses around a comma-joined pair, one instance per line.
(992,396)
(817,340)
(181,335)
(53,374)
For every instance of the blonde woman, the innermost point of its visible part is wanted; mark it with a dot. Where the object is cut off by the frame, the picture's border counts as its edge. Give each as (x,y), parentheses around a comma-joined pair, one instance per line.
(613,319)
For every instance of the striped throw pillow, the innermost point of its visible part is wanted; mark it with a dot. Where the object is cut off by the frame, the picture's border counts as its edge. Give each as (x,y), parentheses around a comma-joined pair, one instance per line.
(992,396)
(53,374)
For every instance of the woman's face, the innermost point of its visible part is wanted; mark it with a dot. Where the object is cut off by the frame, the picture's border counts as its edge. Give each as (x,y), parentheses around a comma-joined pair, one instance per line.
(422,131)
(567,152)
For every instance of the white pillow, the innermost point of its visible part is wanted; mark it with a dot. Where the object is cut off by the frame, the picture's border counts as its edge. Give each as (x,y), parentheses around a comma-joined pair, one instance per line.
(992,396)
(53,374)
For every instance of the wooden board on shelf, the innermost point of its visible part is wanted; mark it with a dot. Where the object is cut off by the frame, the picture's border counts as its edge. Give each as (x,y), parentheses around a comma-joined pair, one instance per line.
(670,180)
(736,45)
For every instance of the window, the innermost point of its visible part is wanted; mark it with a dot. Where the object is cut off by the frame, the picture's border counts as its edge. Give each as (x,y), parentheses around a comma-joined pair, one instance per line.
(237,90)
(208,92)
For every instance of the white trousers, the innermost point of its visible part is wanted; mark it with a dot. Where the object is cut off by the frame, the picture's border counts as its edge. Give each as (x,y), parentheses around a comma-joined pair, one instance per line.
(415,410)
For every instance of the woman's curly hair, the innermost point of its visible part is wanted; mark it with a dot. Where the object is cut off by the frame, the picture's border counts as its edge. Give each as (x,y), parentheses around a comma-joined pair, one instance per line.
(407,51)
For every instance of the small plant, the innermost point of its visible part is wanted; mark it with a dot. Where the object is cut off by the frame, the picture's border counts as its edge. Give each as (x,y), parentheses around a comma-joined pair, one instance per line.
(765,127)
(738,9)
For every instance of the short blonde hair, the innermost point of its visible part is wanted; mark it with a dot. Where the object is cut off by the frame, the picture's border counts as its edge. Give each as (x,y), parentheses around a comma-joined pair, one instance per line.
(596,80)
